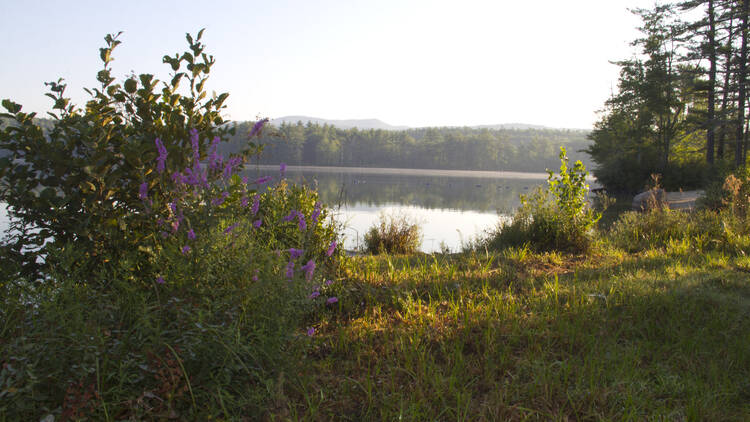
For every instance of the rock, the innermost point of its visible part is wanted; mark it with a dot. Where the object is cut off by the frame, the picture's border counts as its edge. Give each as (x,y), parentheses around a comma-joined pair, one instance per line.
(654,198)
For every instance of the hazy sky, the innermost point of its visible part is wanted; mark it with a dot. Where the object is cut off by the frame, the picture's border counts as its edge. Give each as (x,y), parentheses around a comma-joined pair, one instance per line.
(415,63)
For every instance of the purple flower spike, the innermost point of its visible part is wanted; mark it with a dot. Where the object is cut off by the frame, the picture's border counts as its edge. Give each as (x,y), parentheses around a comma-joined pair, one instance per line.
(329,282)
(185,249)
(313,295)
(194,143)
(160,280)
(244,201)
(331,248)
(162,159)
(143,191)
(296,253)
(257,127)
(310,332)
(301,222)
(282,169)
(309,269)
(290,270)
(256,204)
(262,180)
(257,223)
(332,300)
(230,228)
(291,216)
(316,213)
(173,207)
(191,234)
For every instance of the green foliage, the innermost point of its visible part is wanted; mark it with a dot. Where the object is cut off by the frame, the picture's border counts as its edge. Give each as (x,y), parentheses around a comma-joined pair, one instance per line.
(701,231)
(79,182)
(425,148)
(558,218)
(393,234)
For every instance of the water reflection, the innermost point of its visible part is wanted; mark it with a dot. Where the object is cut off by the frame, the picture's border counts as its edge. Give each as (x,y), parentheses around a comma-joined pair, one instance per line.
(452,210)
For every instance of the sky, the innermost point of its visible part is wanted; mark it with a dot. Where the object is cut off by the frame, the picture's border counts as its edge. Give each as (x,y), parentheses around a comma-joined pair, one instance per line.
(406,62)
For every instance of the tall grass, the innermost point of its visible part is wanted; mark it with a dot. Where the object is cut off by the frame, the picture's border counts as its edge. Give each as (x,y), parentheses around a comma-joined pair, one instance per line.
(394,234)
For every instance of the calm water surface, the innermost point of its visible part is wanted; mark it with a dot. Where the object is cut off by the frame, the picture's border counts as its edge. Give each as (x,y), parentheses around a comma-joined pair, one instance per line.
(453,207)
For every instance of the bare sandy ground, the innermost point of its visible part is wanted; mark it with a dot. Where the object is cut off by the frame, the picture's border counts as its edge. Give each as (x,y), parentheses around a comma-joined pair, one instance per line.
(683,200)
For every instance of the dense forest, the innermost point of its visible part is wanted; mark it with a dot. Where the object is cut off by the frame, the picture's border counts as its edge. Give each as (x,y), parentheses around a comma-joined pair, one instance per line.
(680,108)
(432,148)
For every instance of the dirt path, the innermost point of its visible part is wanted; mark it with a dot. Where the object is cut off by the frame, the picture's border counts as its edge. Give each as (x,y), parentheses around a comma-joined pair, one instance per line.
(683,200)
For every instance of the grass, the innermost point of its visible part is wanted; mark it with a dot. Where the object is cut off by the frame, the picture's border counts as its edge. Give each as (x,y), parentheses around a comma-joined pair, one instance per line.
(655,332)
(611,336)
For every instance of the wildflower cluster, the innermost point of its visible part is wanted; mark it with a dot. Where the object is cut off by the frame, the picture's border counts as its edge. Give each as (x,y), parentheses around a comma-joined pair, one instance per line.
(209,193)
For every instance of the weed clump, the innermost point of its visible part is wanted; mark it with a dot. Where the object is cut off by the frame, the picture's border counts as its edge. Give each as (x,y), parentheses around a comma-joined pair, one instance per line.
(558,218)
(393,234)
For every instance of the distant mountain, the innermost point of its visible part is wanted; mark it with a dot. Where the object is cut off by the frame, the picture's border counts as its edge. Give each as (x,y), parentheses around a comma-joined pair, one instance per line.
(342,124)
(518,126)
(379,124)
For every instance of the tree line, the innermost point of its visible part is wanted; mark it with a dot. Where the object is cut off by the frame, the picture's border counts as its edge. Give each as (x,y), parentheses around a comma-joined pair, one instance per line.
(681,103)
(452,148)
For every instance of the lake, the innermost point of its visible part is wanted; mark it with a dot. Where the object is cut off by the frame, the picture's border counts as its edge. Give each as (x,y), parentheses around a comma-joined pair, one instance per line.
(452,206)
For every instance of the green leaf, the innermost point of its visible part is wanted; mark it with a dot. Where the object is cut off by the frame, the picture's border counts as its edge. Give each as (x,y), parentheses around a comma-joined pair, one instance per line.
(131,85)
(11,106)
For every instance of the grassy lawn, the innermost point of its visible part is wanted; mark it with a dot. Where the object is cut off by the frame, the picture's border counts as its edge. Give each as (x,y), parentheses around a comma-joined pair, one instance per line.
(662,334)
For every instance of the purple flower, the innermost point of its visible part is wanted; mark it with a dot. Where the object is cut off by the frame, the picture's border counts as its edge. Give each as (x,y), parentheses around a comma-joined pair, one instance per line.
(244,180)
(282,169)
(301,221)
(220,200)
(332,299)
(309,269)
(230,228)
(257,127)
(191,234)
(313,295)
(290,217)
(244,201)
(214,159)
(185,249)
(290,270)
(160,280)
(161,160)
(262,180)
(177,178)
(194,143)
(316,213)
(331,248)
(255,276)
(173,207)
(310,331)
(143,191)
(329,282)
(257,223)
(296,253)
(256,204)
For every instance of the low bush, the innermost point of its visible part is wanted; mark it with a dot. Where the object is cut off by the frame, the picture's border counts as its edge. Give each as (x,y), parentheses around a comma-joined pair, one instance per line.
(702,230)
(556,218)
(393,234)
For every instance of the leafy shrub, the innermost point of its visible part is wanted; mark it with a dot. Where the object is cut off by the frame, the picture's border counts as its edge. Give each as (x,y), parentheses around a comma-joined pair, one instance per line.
(558,218)
(170,280)
(393,234)
(81,180)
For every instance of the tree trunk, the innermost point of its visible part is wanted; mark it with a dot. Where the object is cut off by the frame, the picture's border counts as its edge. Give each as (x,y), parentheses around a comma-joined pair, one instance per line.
(725,92)
(711,84)
(742,78)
